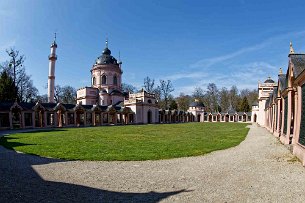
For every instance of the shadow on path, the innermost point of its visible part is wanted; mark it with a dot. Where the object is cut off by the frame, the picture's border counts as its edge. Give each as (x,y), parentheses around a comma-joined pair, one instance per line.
(19,182)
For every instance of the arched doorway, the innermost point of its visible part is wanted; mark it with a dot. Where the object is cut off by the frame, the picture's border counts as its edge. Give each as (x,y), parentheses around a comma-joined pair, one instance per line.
(210,118)
(149,116)
(244,118)
(16,117)
(255,117)
(227,118)
(198,118)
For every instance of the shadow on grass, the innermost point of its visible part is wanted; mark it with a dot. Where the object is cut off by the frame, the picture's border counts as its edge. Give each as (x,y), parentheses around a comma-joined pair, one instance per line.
(44,130)
(19,182)
(11,145)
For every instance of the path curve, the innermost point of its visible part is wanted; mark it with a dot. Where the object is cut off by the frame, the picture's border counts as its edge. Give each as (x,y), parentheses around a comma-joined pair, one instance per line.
(260,169)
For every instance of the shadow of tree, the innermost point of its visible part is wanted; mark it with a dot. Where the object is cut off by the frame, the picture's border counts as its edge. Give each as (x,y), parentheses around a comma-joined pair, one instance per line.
(46,130)
(10,144)
(19,182)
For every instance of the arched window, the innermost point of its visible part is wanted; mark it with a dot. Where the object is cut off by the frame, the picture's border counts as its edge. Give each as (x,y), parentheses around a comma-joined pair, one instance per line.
(115,80)
(104,79)
(93,81)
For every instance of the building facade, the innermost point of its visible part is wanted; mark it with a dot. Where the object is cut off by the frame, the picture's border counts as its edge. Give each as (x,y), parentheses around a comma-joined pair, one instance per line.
(285,106)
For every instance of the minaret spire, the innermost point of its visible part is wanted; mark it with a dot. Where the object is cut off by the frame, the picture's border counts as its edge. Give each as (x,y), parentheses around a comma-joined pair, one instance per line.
(291,51)
(106,42)
(51,78)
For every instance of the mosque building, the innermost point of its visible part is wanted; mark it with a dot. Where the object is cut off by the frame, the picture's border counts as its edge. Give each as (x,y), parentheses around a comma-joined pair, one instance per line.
(104,103)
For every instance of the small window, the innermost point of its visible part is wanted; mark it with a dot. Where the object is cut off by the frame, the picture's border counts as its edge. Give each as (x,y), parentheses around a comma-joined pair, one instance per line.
(115,80)
(149,101)
(104,79)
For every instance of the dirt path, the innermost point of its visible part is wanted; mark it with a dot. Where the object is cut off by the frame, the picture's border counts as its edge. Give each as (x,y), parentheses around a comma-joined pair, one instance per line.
(260,169)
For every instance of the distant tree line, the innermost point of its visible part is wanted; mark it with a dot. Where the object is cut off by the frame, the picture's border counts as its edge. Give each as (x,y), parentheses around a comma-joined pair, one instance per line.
(215,100)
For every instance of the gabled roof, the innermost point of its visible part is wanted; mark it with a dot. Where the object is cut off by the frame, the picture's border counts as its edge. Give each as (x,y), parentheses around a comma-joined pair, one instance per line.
(282,82)
(27,106)
(69,106)
(298,61)
(197,104)
(49,106)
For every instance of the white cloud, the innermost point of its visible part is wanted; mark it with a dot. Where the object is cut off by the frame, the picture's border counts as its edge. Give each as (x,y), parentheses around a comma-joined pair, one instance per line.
(192,75)
(241,75)
(208,62)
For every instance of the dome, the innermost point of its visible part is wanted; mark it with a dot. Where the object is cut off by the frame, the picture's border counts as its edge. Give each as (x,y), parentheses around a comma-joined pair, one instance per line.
(106,57)
(269,80)
(196,103)
(107,51)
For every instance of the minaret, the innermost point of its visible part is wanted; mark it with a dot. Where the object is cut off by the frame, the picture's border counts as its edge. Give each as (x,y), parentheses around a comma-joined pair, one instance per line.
(51,78)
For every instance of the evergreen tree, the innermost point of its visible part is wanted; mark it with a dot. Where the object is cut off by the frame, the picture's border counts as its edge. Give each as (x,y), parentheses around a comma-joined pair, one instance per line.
(244,105)
(173,105)
(8,90)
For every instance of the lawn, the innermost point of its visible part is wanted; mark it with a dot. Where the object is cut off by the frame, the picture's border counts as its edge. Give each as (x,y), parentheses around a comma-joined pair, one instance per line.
(133,142)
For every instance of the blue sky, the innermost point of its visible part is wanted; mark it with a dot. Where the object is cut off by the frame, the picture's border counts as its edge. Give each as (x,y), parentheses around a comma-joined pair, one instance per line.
(192,43)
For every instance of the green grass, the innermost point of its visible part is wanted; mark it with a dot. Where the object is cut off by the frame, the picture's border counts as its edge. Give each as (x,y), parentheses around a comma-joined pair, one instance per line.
(136,142)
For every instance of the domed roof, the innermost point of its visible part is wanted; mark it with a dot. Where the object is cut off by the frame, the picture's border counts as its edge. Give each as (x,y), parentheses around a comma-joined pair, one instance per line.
(106,57)
(269,80)
(255,103)
(197,103)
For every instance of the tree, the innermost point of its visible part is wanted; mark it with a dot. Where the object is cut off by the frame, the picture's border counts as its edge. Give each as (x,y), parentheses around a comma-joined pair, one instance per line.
(252,97)
(244,105)
(234,98)
(65,94)
(165,88)
(42,98)
(224,98)
(8,90)
(68,95)
(198,93)
(128,88)
(183,102)
(15,69)
(15,63)
(173,105)
(149,84)
(213,97)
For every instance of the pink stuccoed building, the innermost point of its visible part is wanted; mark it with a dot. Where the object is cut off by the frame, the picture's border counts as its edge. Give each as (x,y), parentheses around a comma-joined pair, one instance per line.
(106,90)
(285,106)
(106,82)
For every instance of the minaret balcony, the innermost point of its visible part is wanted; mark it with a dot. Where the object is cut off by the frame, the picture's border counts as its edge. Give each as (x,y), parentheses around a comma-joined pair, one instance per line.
(52,57)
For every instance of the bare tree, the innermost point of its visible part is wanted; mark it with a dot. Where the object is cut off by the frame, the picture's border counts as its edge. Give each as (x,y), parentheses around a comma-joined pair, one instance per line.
(213,97)
(198,93)
(15,68)
(234,98)
(149,84)
(15,63)
(183,102)
(128,88)
(65,94)
(166,88)
(224,99)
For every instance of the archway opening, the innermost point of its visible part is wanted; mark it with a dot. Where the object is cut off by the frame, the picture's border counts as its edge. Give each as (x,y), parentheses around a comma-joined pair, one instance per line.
(149,116)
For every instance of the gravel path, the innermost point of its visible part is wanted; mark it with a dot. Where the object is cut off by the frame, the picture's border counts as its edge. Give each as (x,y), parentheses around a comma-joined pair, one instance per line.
(260,169)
